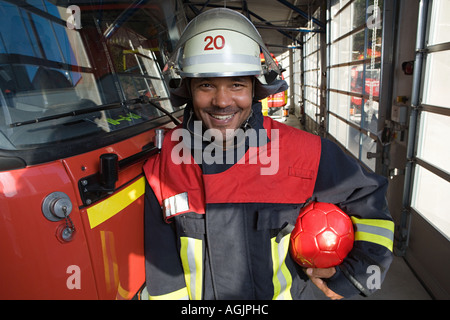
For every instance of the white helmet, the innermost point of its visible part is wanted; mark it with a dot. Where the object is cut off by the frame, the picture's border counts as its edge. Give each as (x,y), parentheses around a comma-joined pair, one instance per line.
(221,43)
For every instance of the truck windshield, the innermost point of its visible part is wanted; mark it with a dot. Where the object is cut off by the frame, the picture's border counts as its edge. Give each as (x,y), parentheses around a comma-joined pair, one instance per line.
(72,69)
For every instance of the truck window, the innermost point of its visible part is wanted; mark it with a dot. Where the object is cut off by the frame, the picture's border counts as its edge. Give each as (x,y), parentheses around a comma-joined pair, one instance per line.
(95,81)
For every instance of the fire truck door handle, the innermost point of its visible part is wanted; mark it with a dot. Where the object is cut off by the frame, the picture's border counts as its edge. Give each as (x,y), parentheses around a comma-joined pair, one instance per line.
(109,171)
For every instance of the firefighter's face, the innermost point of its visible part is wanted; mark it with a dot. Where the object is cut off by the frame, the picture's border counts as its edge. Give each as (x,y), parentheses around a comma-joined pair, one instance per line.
(222,103)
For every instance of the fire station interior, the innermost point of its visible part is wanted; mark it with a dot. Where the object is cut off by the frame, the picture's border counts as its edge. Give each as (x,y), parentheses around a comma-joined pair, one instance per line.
(371,76)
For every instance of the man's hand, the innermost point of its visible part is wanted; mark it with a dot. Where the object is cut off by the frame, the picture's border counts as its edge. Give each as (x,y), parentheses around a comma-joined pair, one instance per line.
(317,274)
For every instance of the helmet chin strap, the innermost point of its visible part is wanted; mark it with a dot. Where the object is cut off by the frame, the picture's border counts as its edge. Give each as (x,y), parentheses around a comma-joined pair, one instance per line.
(253,87)
(246,125)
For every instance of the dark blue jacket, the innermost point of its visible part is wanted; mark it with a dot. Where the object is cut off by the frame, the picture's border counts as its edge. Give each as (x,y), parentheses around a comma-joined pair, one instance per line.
(238,248)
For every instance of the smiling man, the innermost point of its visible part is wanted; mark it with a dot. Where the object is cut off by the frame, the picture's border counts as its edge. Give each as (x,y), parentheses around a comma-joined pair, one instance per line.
(222,103)
(220,229)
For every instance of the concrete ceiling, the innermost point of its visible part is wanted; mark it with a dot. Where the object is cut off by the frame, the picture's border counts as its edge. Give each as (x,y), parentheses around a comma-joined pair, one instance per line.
(274,19)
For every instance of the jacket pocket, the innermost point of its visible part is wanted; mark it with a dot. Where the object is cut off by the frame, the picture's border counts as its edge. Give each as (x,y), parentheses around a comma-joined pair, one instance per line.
(304,181)
(190,224)
(277,217)
(301,173)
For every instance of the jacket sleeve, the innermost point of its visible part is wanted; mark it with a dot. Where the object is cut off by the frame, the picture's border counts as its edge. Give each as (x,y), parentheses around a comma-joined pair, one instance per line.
(164,272)
(361,194)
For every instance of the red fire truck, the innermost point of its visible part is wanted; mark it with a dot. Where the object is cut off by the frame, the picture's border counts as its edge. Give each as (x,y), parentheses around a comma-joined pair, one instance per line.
(364,82)
(275,105)
(82,98)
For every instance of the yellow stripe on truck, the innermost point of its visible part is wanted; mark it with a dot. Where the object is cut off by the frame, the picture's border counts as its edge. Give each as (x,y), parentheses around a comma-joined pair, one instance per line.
(111,206)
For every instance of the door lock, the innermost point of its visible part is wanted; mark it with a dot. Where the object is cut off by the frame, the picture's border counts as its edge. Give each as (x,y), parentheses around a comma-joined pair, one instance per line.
(56,206)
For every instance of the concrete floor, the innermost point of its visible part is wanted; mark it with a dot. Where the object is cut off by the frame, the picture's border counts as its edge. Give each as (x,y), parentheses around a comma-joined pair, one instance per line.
(400,282)
(293,121)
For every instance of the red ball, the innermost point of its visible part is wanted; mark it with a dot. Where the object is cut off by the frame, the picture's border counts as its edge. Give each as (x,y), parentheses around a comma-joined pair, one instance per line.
(322,236)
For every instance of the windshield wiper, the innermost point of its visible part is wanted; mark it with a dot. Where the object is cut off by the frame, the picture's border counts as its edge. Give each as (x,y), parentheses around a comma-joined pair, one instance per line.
(68,114)
(144,99)
(125,104)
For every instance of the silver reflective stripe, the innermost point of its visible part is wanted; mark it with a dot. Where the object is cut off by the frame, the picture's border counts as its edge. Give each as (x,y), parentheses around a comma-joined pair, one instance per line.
(176,204)
(220,58)
(375,230)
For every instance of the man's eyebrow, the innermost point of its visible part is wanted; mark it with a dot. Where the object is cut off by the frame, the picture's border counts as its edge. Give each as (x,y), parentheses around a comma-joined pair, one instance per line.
(203,79)
(233,79)
(238,79)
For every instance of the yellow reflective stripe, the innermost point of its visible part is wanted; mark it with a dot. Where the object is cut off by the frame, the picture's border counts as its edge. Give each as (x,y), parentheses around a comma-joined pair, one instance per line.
(369,237)
(386,224)
(374,230)
(111,206)
(282,279)
(181,294)
(191,253)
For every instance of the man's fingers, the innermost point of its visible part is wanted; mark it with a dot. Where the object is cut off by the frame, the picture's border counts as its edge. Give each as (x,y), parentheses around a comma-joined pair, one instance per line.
(318,282)
(321,272)
(315,274)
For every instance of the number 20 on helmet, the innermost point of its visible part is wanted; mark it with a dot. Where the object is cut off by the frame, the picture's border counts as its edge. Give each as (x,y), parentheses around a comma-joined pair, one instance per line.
(221,43)
(322,237)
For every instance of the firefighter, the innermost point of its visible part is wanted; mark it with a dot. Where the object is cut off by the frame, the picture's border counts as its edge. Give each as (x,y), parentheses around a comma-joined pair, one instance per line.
(220,229)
